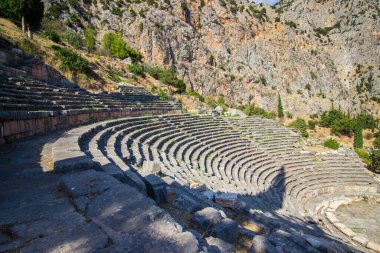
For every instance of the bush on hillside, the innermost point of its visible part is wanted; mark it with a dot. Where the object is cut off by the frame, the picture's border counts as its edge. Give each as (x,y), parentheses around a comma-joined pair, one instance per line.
(166,76)
(375,160)
(115,45)
(301,126)
(251,110)
(89,38)
(136,69)
(339,123)
(28,47)
(195,94)
(364,155)
(376,143)
(161,93)
(70,60)
(331,143)
(51,35)
(343,126)
(74,39)
(311,124)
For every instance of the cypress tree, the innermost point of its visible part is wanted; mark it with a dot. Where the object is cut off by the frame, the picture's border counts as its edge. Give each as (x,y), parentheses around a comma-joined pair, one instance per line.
(280,109)
(358,134)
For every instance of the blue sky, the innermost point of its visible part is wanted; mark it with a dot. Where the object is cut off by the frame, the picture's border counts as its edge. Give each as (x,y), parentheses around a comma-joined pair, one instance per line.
(266,1)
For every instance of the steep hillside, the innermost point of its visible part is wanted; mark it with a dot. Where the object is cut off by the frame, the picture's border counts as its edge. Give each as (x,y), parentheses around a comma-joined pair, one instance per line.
(247,52)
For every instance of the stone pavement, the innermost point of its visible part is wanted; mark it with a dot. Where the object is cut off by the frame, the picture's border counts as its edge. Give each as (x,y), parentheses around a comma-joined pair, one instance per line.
(42,212)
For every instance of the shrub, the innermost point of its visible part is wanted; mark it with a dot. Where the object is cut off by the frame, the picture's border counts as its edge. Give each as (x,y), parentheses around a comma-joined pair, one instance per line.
(70,60)
(289,115)
(313,75)
(115,45)
(195,94)
(376,143)
(166,76)
(343,126)
(291,24)
(331,143)
(364,155)
(89,38)
(74,39)
(251,110)
(211,102)
(28,47)
(161,93)
(301,126)
(375,160)
(136,69)
(51,35)
(329,117)
(311,124)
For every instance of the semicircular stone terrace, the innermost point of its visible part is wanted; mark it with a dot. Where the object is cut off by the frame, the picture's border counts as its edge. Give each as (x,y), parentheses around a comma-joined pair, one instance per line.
(255,158)
(29,107)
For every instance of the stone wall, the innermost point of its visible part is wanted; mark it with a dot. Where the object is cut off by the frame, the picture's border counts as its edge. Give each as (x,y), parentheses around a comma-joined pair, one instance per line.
(16,125)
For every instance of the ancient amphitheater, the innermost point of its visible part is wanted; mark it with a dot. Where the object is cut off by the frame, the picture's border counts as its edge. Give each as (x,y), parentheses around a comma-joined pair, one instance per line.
(127,172)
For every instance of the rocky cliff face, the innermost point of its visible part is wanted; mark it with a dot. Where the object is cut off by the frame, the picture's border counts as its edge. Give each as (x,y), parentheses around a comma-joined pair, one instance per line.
(315,54)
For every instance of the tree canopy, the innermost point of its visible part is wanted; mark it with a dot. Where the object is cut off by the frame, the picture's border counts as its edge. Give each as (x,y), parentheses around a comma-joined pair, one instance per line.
(31,11)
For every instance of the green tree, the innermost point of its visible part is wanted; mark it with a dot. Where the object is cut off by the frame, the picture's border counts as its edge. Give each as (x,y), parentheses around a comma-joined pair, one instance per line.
(115,45)
(29,12)
(89,37)
(358,133)
(280,109)
(376,143)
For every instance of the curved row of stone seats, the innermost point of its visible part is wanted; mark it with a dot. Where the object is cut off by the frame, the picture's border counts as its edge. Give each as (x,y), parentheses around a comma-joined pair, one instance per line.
(182,160)
(305,178)
(132,90)
(29,107)
(186,147)
(31,95)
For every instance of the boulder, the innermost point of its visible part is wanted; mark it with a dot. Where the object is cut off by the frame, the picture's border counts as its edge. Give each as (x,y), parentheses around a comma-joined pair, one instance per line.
(219,246)
(226,199)
(227,230)
(262,245)
(207,218)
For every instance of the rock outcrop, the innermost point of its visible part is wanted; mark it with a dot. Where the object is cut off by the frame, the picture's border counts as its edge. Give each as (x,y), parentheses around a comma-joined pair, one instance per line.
(316,54)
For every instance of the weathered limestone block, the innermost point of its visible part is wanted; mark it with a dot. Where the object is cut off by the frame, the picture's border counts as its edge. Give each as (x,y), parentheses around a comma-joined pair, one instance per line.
(207,218)
(156,188)
(262,245)
(218,245)
(226,199)
(374,246)
(362,239)
(227,230)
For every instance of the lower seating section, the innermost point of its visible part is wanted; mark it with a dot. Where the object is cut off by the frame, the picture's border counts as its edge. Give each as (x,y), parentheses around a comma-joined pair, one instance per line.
(307,177)
(206,155)
(28,106)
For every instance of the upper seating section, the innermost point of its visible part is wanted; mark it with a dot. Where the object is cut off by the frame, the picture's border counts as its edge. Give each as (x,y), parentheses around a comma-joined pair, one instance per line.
(20,94)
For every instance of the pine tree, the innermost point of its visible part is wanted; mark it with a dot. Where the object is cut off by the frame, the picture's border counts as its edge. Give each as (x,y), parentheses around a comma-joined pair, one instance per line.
(280,109)
(29,12)
(358,134)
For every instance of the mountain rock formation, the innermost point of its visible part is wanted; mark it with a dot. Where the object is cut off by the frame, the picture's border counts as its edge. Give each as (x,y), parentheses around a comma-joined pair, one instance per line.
(315,53)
